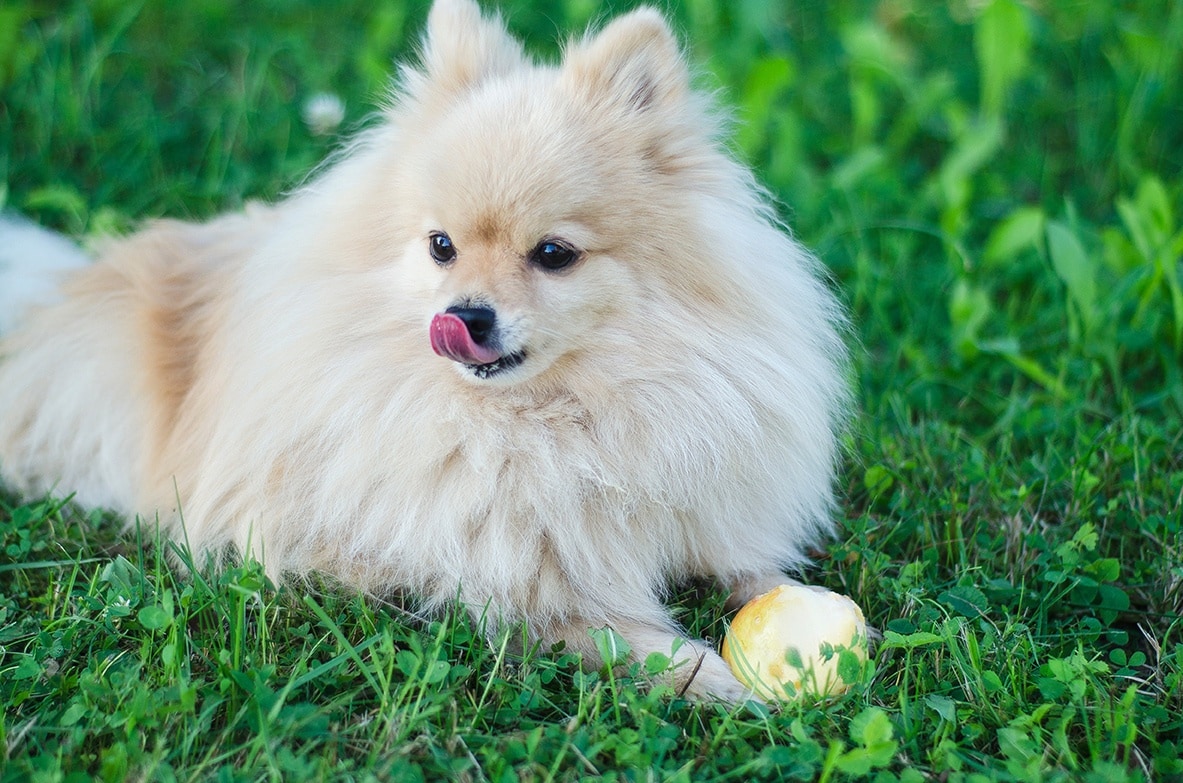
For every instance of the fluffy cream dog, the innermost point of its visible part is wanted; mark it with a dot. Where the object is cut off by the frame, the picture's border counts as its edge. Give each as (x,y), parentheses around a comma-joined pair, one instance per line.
(536,341)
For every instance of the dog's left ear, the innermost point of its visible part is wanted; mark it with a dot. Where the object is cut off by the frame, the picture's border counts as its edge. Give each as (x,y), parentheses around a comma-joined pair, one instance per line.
(634,64)
(463,48)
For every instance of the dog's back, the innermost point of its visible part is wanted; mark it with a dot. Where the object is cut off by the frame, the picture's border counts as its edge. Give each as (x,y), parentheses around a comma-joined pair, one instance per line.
(33,262)
(104,350)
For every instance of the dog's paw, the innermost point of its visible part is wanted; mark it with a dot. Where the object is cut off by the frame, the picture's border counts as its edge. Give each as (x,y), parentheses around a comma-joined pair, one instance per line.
(709,678)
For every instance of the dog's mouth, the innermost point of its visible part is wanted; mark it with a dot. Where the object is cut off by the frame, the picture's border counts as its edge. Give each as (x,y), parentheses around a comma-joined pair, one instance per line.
(467,337)
(506,362)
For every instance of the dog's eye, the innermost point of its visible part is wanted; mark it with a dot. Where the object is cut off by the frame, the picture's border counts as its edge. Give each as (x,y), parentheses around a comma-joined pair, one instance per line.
(441,248)
(554,255)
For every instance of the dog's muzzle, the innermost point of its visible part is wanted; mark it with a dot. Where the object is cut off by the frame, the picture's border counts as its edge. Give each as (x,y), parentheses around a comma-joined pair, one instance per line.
(468,335)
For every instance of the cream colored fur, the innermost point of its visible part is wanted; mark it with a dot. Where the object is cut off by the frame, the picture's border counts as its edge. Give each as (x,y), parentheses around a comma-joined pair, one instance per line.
(24,286)
(676,415)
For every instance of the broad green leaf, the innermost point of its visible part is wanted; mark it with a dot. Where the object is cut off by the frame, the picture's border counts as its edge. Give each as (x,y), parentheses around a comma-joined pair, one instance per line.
(154,617)
(1106,569)
(1076,268)
(966,600)
(975,147)
(871,727)
(1002,41)
(873,732)
(877,479)
(943,706)
(407,662)
(969,307)
(1022,229)
(613,649)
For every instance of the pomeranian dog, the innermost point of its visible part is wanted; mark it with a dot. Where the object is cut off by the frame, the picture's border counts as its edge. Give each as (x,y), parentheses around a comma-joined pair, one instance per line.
(536,343)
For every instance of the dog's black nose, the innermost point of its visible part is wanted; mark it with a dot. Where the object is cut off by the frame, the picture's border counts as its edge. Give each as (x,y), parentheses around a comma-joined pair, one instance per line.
(479,320)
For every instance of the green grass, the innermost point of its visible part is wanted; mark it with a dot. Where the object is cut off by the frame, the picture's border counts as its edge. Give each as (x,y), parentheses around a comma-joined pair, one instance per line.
(997,189)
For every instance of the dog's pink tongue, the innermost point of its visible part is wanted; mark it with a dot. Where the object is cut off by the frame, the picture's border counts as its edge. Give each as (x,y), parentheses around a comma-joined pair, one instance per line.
(450,338)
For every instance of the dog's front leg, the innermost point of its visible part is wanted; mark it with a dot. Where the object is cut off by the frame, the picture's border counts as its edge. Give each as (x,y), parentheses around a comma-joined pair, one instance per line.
(696,671)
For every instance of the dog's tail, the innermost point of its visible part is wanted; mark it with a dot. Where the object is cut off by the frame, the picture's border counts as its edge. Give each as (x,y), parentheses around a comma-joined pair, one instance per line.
(33,262)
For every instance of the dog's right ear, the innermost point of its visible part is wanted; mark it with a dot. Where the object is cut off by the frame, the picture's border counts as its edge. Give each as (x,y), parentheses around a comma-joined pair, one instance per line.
(462,48)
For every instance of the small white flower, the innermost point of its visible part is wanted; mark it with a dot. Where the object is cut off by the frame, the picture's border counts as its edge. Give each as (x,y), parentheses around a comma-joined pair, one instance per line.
(323,112)
(117,610)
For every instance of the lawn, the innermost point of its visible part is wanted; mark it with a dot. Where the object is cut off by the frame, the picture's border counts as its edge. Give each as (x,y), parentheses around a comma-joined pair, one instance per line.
(997,188)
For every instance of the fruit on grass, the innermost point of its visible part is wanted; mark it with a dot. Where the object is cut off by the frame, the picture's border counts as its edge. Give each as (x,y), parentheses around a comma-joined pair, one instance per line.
(797,641)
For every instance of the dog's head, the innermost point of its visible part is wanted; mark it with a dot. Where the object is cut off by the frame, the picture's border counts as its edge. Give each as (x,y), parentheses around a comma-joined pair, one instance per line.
(544,199)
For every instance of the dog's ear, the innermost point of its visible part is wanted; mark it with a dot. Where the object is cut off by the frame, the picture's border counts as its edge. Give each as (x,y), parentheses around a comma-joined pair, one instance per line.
(463,48)
(634,64)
